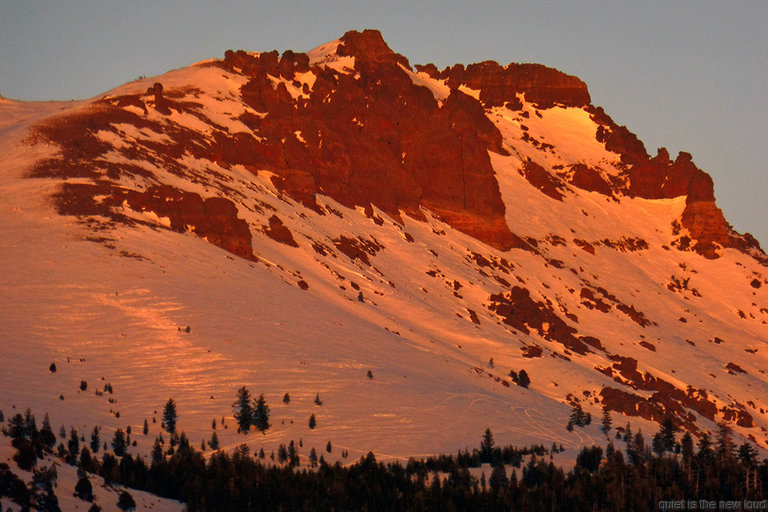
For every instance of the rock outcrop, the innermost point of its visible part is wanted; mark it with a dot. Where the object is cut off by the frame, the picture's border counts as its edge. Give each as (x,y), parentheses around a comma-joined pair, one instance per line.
(372,138)
(546,87)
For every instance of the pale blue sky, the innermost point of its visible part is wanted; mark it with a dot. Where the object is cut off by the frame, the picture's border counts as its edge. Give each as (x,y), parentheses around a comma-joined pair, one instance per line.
(689,75)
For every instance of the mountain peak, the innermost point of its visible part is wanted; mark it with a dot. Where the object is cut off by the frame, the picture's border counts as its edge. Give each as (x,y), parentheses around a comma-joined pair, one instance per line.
(369,46)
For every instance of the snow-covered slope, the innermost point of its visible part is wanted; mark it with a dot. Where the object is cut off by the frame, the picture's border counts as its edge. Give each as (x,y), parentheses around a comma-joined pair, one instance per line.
(306,217)
(105,496)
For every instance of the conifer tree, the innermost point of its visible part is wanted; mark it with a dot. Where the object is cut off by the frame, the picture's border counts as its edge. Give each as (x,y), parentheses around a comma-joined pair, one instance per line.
(704,449)
(84,489)
(498,479)
(95,441)
(119,444)
(261,414)
(73,446)
(312,421)
(667,434)
(578,417)
(157,452)
(687,451)
(126,502)
(86,460)
(486,446)
(243,411)
(293,456)
(169,416)
(145,429)
(725,445)
(606,422)
(286,398)
(46,433)
(214,442)
(637,455)
(317,400)
(747,454)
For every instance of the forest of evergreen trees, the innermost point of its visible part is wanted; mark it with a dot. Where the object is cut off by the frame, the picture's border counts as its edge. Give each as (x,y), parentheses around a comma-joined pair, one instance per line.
(629,475)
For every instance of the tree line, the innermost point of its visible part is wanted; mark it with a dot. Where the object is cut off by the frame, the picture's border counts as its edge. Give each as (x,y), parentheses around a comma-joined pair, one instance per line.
(630,475)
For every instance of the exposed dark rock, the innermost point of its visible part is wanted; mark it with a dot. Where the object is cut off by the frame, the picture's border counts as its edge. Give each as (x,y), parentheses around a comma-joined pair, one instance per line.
(517,309)
(543,86)
(279,232)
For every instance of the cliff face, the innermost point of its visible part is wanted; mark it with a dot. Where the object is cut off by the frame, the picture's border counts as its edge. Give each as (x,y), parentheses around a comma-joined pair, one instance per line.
(358,126)
(543,86)
(372,137)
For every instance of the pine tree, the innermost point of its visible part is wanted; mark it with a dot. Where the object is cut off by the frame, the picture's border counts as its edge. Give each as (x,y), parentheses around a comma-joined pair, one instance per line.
(243,411)
(84,489)
(86,460)
(73,446)
(47,436)
(312,458)
(169,416)
(637,454)
(261,414)
(498,479)
(725,444)
(687,451)
(328,447)
(293,456)
(486,446)
(119,444)
(606,422)
(95,441)
(667,435)
(747,454)
(317,400)
(312,421)
(704,447)
(29,425)
(125,501)
(145,429)
(578,418)
(214,442)
(286,398)
(157,452)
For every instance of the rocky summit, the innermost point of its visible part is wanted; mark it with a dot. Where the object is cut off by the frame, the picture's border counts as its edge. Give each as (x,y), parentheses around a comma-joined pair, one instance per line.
(399,239)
